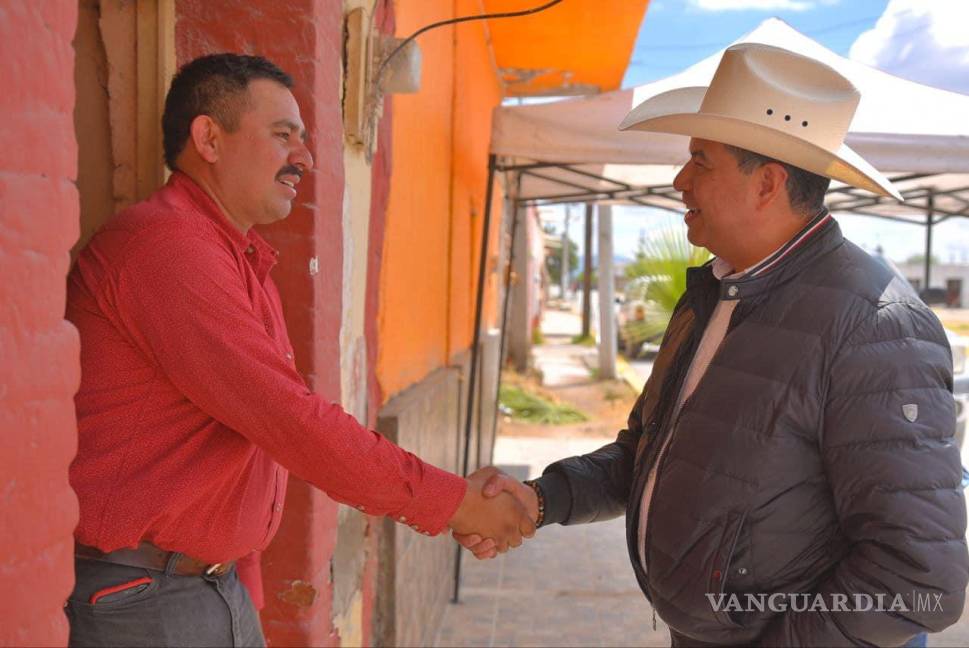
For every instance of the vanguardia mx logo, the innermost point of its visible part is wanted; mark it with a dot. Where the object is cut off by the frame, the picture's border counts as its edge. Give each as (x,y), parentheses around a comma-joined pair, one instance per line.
(835,602)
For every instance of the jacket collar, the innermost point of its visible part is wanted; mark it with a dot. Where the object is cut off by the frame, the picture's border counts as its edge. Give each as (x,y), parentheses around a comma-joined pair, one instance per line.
(820,235)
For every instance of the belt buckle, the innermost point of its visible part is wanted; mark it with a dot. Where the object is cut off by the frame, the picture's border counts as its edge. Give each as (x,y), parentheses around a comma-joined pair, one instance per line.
(216,570)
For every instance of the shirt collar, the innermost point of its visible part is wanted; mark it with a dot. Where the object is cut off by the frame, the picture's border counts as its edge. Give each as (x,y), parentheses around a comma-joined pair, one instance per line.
(251,245)
(741,284)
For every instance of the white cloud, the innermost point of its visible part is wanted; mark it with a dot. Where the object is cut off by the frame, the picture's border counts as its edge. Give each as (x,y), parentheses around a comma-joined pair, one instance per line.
(758,5)
(921,40)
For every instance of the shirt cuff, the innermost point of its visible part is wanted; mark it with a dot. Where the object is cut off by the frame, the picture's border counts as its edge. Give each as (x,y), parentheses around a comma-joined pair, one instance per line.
(437,499)
(557,496)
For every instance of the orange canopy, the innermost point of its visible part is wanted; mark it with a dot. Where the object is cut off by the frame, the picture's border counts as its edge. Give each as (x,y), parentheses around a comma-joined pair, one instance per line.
(575,47)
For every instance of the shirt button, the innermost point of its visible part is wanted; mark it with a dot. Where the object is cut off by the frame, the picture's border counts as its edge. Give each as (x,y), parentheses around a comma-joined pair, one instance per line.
(742,571)
(732,291)
(289,356)
(402,519)
(250,250)
(277,507)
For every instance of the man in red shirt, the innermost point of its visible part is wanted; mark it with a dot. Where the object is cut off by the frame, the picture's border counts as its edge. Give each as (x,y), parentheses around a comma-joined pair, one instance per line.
(191,412)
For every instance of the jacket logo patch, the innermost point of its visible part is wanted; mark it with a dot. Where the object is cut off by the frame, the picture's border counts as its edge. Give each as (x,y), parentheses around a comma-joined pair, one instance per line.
(911,412)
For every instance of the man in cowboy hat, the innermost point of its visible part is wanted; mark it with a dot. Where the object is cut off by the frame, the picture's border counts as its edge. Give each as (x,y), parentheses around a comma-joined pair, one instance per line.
(788,473)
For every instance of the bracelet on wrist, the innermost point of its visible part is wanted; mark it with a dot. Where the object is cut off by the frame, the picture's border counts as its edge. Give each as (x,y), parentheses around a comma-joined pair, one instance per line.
(541,501)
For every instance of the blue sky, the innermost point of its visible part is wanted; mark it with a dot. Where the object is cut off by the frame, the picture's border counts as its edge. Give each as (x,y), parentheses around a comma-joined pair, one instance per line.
(926,41)
(677,33)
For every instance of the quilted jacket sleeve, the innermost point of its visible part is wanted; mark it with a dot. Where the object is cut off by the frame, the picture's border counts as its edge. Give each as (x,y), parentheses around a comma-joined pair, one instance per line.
(894,472)
(595,486)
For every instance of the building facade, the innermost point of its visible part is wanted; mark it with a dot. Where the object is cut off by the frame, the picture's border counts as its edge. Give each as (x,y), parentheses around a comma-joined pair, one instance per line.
(378,271)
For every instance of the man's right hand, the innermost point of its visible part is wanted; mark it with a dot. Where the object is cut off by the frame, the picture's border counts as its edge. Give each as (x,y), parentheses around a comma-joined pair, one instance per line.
(498,483)
(497,516)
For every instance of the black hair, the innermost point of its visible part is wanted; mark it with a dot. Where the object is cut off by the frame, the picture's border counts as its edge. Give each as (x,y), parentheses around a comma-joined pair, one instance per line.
(215,85)
(805,190)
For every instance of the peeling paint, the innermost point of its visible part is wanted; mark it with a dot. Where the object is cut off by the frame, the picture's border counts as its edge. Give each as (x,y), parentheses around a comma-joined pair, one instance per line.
(298,593)
(350,625)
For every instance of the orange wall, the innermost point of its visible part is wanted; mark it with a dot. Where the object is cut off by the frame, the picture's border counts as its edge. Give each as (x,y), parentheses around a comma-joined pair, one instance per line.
(477,92)
(436,206)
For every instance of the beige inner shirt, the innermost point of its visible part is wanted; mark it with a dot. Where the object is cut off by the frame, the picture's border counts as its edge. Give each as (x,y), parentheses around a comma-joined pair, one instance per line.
(713,335)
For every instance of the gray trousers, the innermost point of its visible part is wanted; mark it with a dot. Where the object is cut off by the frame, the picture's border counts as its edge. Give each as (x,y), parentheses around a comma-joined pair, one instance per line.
(169,610)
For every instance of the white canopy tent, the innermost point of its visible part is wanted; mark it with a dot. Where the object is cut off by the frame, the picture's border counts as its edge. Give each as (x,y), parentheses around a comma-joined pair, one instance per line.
(571,151)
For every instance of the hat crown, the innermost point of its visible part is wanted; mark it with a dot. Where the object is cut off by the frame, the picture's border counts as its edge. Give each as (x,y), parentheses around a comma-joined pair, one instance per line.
(783,91)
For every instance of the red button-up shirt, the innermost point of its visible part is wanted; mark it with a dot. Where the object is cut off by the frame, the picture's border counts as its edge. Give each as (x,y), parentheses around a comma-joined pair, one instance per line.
(191,411)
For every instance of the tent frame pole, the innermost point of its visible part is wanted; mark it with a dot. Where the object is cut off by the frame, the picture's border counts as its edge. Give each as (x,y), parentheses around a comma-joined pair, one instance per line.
(929,215)
(476,342)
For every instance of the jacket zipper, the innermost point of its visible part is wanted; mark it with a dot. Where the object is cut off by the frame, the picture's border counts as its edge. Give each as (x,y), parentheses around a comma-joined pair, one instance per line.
(663,455)
(649,513)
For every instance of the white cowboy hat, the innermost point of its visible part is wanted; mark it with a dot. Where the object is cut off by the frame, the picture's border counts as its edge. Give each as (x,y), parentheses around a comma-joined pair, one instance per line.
(774,102)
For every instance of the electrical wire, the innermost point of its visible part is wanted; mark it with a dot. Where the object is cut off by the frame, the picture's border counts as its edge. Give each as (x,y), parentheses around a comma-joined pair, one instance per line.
(452,21)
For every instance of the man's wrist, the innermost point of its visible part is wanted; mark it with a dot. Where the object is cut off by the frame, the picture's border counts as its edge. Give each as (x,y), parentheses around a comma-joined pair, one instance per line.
(540,518)
(557,497)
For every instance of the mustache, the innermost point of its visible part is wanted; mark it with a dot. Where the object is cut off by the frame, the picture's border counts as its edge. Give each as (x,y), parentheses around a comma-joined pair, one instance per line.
(290,170)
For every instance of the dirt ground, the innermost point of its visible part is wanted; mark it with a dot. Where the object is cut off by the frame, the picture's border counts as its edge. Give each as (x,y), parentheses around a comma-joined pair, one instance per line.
(606,403)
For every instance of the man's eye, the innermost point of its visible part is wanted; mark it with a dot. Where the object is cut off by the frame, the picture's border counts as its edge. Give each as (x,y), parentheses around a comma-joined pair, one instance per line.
(282,135)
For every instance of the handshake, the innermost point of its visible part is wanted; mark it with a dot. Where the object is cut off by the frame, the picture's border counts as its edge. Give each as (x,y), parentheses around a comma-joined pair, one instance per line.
(496,514)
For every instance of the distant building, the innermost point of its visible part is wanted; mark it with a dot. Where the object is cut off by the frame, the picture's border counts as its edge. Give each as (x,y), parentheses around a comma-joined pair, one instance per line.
(949,282)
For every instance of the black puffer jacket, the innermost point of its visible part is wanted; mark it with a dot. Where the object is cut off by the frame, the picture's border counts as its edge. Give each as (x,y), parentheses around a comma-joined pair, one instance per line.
(793,468)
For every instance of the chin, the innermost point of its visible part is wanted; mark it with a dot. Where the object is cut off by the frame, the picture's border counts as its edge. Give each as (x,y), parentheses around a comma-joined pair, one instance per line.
(693,236)
(278,213)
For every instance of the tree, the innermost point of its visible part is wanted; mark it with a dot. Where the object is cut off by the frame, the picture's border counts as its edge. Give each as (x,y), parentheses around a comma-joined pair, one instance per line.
(553,263)
(658,277)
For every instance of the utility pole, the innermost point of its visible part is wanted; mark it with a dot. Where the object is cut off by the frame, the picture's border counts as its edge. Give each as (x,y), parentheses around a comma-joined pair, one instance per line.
(587,274)
(929,214)
(607,315)
(565,254)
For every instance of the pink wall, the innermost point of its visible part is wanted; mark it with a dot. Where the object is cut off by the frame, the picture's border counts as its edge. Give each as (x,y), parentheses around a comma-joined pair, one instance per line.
(39,351)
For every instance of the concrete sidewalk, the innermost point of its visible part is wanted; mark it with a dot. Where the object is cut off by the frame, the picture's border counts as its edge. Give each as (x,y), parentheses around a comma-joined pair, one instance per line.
(568,586)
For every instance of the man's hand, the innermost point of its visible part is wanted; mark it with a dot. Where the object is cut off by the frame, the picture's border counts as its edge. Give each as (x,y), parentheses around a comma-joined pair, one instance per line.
(481,545)
(498,516)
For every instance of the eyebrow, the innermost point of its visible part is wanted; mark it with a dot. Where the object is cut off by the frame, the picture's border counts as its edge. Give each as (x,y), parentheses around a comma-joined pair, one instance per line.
(699,154)
(292,126)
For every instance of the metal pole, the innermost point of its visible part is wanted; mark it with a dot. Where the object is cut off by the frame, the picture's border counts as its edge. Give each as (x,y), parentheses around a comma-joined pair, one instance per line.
(476,341)
(929,213)
(587,271)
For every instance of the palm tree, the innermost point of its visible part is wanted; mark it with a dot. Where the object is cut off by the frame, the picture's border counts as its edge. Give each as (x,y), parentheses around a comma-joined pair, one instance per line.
(658,279)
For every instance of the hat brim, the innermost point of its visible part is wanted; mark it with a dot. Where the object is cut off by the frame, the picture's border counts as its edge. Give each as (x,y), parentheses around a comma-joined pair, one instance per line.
(678,112)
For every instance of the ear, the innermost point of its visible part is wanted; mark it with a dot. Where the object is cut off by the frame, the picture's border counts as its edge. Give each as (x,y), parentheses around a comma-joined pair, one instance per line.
(204,135)
(770,184)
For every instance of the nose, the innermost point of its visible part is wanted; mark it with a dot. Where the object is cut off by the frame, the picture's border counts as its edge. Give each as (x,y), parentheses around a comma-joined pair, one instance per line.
(302,158)
(684,179)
